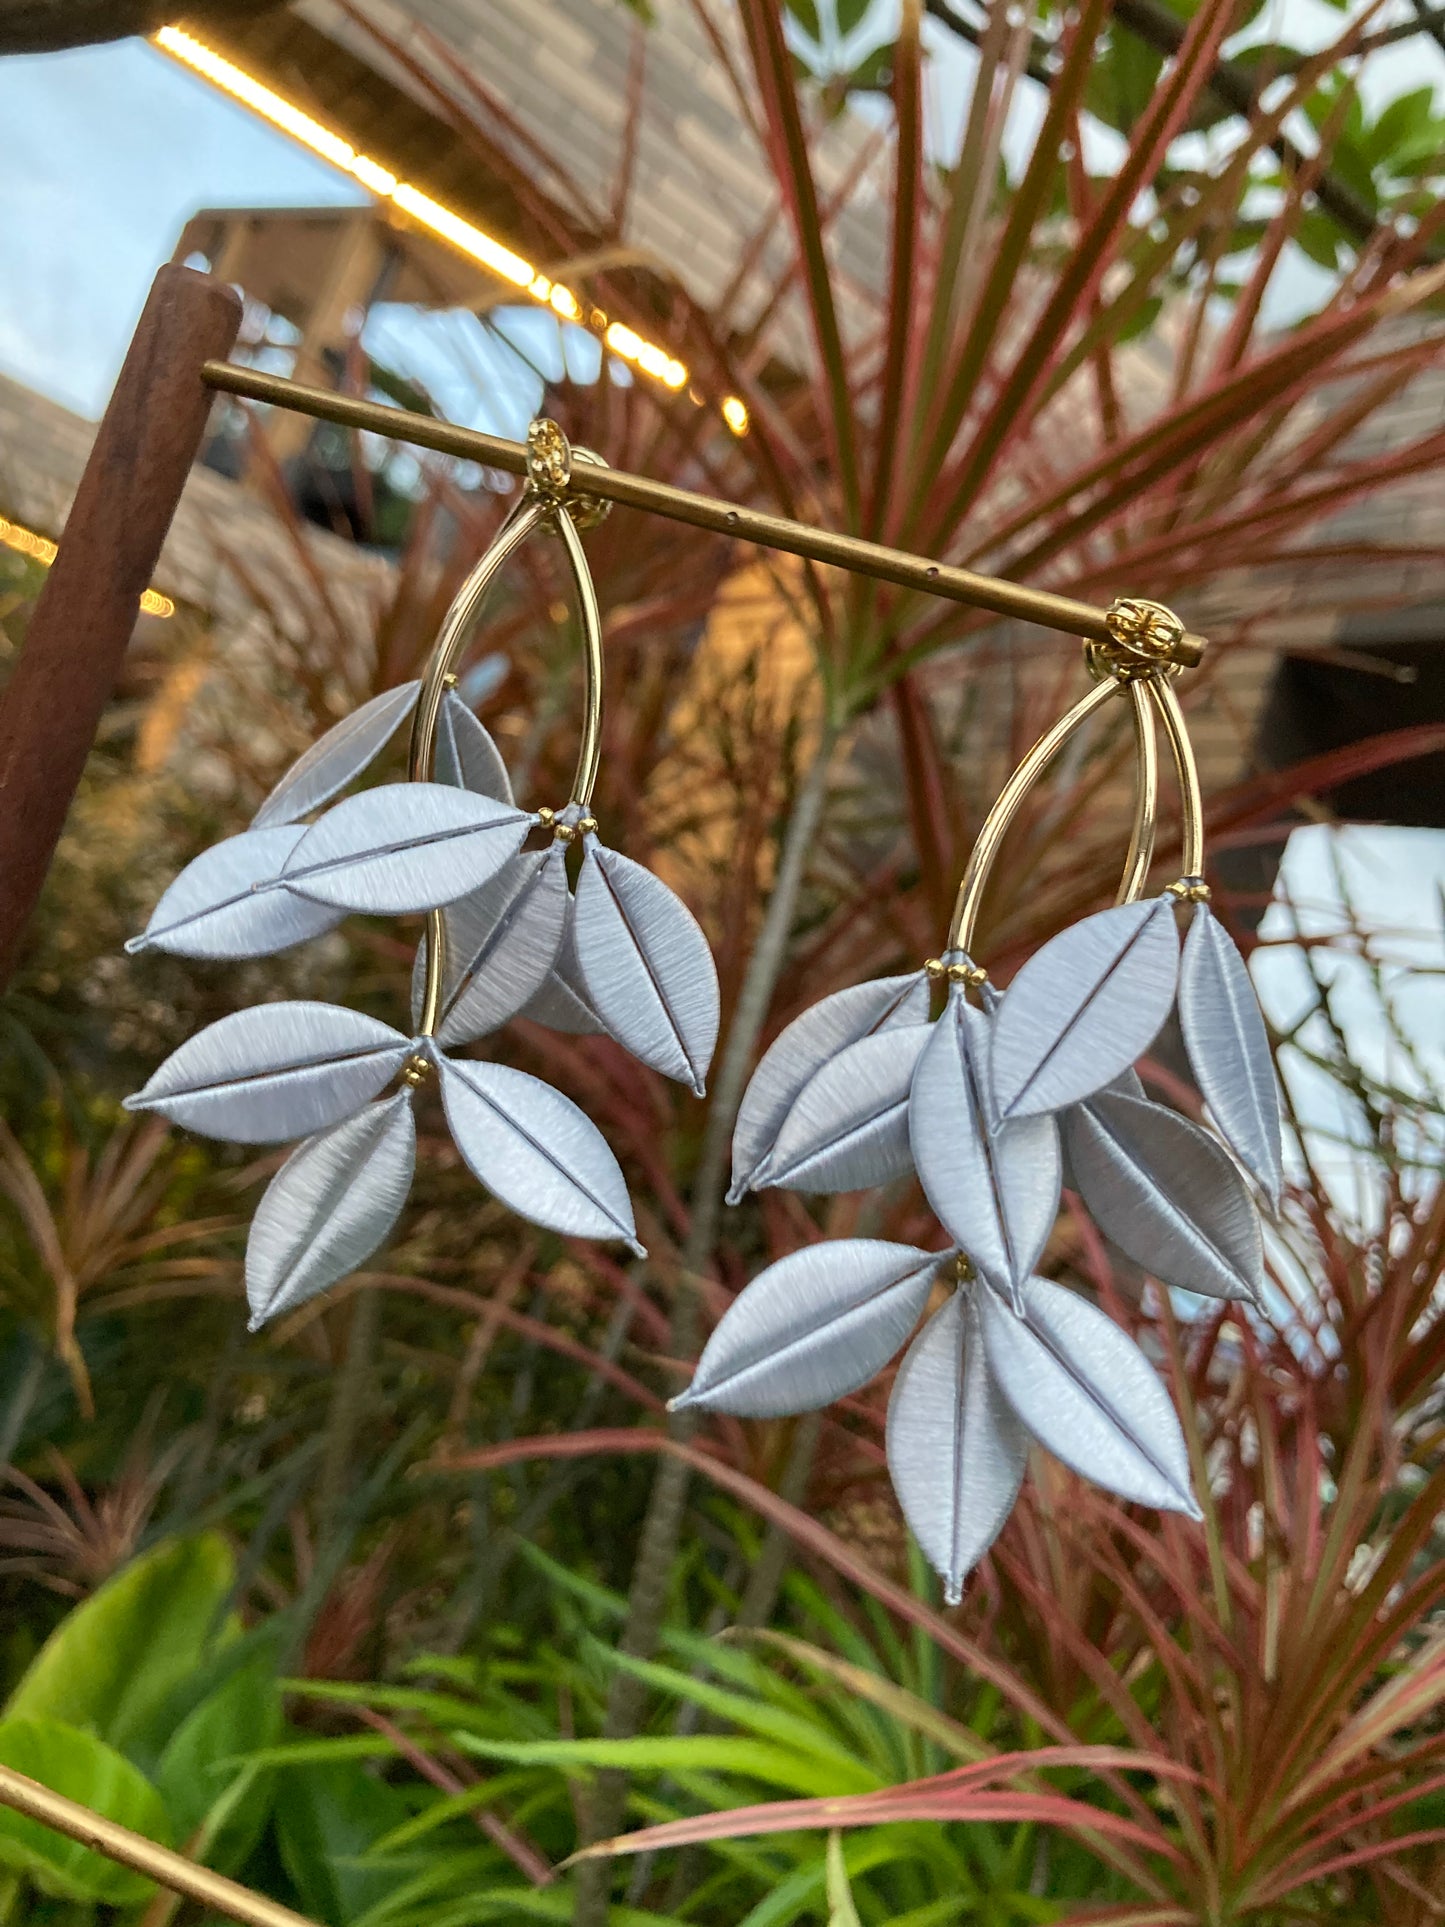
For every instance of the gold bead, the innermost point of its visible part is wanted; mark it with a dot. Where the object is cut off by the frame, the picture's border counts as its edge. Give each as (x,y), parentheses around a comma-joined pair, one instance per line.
(416,1070)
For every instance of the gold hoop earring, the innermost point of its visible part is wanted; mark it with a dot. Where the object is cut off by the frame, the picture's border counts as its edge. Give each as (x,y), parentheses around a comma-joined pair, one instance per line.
(506,933)
(985,1103)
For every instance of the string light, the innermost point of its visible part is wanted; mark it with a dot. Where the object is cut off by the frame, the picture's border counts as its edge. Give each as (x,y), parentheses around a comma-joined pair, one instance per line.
(449,226)
(40,548)
(735,414)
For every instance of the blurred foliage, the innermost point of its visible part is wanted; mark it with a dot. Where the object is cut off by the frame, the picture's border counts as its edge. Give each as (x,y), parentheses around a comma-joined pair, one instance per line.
(349,1609)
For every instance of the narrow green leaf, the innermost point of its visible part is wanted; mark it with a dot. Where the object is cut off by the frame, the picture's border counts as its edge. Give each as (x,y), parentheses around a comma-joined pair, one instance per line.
(841,1911)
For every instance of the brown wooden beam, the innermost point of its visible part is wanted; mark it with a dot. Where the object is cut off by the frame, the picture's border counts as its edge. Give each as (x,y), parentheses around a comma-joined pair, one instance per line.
(87,609)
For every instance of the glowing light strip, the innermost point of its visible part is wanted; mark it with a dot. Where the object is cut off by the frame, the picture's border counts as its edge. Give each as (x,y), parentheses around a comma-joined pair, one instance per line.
(441,221)
(40,548)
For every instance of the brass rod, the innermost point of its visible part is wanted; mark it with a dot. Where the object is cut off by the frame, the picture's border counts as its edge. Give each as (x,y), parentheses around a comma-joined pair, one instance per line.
(1191,803)
(133,1850)
(1146,794)
(453,633)
(906,571)
(981,859)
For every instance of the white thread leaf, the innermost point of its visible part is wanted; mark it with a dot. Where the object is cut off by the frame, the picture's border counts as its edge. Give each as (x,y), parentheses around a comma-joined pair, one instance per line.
(403,847)
(338,757)
(800,1052)
(1084,1007)
(848,1127)
(1229,1052)
(1086,1391)
(502,943)
(646,966)
(1166,1194)
(465,755)
(995,1187)
(956,1452)
(812,1328)
(562,1002)
(228,902)
(535,1150)
(332,1203)
(274,1072)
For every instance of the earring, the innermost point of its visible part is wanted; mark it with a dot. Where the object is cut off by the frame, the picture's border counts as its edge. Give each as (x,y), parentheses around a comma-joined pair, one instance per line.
(508,932)
(992,1105)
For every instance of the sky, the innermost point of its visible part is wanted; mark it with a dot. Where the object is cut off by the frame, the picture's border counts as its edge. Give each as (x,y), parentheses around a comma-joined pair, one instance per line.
(105,153)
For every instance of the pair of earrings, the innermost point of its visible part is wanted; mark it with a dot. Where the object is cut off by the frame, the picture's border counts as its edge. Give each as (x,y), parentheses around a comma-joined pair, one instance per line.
(995,1104)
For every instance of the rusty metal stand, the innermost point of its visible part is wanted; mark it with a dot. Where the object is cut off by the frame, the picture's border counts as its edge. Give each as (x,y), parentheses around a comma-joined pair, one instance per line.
(87,610)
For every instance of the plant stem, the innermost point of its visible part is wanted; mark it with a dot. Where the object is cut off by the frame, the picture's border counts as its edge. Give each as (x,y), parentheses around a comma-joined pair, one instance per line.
(662,1526)
(348,1402)
(755,1608)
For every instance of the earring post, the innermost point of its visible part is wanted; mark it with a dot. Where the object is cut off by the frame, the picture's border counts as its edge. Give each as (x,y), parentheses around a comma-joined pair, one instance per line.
(903,570)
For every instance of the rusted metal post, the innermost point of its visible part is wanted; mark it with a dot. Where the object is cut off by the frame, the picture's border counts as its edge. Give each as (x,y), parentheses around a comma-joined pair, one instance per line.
(87,609)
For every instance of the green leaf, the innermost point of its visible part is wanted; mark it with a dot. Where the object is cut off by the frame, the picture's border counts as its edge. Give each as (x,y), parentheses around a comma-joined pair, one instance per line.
(210,1791)
(851,14)
(874,72)
(841,1911)
(109,1664)
(1401,124)
(326,1820)
(706,1753)
(82,1768)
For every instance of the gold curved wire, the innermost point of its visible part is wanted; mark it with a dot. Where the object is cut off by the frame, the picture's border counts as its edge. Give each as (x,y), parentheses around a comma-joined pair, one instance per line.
(996,824)
(1191,802)
(1146,793)
(536,509)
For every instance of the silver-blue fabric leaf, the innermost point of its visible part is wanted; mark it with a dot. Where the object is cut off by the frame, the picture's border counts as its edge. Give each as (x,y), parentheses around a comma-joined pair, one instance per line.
(1229,1052)
(646,965)
(562,1003)
(848,1127)
(1086,1391)
(465,754)
(956,1452)
(800,1052)
(995,1187)
(228,902)
(405,846)
(332,1203)
(1167,1195)
(502,943)
(274,1072)
(338,757)
(812,1328)
(536,1151)
(1084,1007)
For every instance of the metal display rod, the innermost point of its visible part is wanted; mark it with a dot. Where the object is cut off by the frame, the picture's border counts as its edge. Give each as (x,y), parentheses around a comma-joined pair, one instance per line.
(897,566)
(173,1870)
